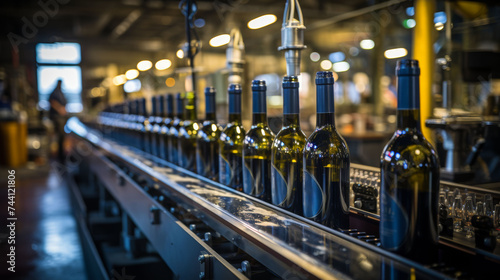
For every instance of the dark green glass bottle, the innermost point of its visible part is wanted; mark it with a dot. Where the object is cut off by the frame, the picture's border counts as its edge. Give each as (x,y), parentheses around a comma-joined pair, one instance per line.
(143,125)
(231,143)
(188,134)
(287,152)
(257,147)
(409,172)
(326,163)
(173,137)
(154,120)
(168,121)
(207,148)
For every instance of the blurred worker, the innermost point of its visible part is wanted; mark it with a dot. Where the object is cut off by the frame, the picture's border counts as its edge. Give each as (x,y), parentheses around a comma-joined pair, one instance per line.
(58,114)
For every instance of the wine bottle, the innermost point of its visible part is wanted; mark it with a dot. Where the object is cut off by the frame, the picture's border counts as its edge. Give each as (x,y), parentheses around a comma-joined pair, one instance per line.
(168,120)
(173,137)
(188,133)
(287,152)
(153,122)
(207,146)
(231,143)
(129,125)
(409,177)
(257,147)
(326,163)
(142,122)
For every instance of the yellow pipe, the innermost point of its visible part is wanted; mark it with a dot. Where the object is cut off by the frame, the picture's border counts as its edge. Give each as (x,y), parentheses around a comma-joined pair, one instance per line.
(423,40)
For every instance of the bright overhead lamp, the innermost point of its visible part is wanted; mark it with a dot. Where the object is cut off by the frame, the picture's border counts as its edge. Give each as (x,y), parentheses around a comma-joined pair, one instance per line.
(336,57)
(262,21)
(326,64)
(132,74)
(119,80)
(220,40)
(163,64)
(180,54)
(144,65)
(409,23)
(367,44)
(395,53)
(314,56)
(341,66)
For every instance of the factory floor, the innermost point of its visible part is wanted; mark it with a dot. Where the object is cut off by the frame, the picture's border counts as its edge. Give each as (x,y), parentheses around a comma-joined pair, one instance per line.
(46,237)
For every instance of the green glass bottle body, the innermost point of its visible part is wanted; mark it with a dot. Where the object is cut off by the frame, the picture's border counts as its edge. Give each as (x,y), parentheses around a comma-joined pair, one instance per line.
(231,143)
(287,152)
(207,148)
(257,148)
(154,120)
(173,135)
(326,163)
(409,178)
(166,124)
(188,134)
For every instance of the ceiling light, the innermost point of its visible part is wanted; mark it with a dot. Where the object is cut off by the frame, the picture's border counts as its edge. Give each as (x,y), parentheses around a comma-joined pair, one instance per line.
(170,82)
(199,22)
(163,64)
(341,66)
(367,44)
(132,86)
(180,53)
(314,56)
(336,56)
(220,40)
(439,26)
(409,23)
(119,80)
(326,64)
(132,74)
(395,53)
(262,21)
(144,65)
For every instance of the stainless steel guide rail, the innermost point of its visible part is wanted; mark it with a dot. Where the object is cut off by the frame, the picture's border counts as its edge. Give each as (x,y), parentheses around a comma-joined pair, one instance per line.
(290,246)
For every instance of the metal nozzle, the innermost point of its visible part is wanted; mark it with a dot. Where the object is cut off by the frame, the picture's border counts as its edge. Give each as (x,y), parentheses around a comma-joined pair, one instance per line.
(292,37)
(234,56)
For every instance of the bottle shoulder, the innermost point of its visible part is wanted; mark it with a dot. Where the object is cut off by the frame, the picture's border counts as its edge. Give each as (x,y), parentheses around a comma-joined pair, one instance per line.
(233,134)
(289,140)
(406,147)
(189,129)
(210,131)
(326,141)
(259,137)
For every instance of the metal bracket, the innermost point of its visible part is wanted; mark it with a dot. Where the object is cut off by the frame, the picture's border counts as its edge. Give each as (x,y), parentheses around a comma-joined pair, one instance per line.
(205,260)
(154,216)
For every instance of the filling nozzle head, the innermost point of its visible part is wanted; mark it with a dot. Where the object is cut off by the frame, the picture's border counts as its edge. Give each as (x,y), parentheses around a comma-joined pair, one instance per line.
(292,37)
(234,56)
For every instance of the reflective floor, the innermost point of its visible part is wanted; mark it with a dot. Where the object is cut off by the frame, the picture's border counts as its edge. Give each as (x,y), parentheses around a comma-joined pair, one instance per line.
(47,242)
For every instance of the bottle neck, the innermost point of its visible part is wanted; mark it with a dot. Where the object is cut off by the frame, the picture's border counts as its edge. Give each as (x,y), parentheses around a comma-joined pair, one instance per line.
(323,119)
(291,120)
(190,110)
(408,119)
(259,118)
(210,107)
(408,115)
(210,116)
(325,105)
(259,107)
(235,108)
(290,100)
(234,118)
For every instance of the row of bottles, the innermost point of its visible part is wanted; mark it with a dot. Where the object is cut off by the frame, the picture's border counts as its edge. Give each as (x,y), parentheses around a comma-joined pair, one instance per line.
(306,176)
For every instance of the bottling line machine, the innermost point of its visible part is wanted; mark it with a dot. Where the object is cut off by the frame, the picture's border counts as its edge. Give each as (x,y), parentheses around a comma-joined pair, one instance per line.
(140,215)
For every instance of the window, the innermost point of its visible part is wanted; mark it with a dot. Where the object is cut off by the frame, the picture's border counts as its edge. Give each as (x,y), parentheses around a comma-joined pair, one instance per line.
(59,61)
